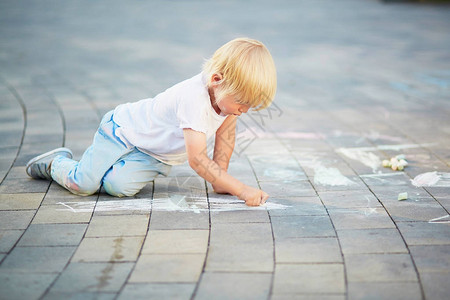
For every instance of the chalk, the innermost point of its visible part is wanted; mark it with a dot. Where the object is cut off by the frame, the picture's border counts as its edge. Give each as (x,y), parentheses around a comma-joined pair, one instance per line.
(396,163)
(402,196)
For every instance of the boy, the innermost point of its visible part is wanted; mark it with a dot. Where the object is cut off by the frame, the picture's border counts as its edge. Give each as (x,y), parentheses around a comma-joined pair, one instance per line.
(137,141)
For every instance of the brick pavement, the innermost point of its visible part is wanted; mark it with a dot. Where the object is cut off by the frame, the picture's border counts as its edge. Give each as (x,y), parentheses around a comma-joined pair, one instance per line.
(359,81)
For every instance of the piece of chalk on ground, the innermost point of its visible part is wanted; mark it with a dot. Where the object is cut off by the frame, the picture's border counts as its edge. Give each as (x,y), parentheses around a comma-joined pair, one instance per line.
(402,196)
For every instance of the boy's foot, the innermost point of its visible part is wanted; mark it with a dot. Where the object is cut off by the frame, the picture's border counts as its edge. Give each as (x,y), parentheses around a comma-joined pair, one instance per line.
(39,167)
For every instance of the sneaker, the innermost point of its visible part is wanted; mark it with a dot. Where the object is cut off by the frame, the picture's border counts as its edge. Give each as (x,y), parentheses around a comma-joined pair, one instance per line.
(39,167)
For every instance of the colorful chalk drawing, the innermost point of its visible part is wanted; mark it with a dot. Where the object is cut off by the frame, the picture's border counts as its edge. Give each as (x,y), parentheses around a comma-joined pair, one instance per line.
(173,203)
(437,179)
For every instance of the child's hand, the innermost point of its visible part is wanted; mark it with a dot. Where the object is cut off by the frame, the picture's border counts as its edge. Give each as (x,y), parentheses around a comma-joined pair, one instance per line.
(252,196)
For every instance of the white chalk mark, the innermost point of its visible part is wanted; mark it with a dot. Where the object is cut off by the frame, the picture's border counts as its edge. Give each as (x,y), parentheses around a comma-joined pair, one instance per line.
(369,210)
(330,176)
(362,155)
(71,208)
(440,220)
(435,179)
(174,203)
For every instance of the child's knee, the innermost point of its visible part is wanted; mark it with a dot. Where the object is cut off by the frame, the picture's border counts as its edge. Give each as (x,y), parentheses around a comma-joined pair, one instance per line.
(118,187)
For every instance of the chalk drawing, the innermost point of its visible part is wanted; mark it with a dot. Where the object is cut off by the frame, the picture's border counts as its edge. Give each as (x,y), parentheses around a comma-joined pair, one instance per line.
(369,209)
(442,220)
(436,179)
(365,157)
(369,159)
(330,176)
(173,203)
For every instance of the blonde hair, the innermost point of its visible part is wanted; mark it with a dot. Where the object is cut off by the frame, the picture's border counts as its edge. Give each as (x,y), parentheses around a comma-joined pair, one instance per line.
(248,72)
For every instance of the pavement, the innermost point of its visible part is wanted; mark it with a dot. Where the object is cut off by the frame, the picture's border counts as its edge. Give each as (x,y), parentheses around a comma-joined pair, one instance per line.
(359,82)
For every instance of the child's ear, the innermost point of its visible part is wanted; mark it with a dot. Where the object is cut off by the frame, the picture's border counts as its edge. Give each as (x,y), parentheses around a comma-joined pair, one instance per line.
(216,79)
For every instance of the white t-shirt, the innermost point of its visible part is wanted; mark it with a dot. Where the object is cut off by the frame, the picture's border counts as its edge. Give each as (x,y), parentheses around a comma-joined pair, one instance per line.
(155,125)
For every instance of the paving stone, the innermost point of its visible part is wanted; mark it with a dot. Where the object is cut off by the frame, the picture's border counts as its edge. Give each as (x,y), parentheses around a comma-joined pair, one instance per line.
(302,226)
(114,226)
(358,241)
(59,214)
(108,249)
(80,296)
(425,233)
(308,279)
(53,235)
(8,238)
(309,297)
(179,220)
(176,241)
(15,219)
(175,291)
(431,258)
(176,268)
(307,250)
(279,169)
(349,199)
(239,216)
(387,179)
(32,286)
(419,210)
(435,285)
(92,277)
(360,218)
(240,247)
(234,286)
(300,206)
(384,290)
(20,201)
(288,188)
(37,259)
(19,186)
(379,267)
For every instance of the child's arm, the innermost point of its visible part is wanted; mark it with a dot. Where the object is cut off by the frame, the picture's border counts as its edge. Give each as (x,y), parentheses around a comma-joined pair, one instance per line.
(224,146)
(213,173)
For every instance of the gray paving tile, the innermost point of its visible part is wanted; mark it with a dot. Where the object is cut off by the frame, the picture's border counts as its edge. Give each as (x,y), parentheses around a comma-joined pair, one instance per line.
(300,206)
(309,297)
(176,241)
(425,233)
(431,258)
(92,277)
(240,247)
(15,219)
(80,296)
(270,168)
(307,250)
(309,279)
(349,199)
(37,259)
(20,201)
(379,268)
(418,210)
(384,290)
(165,268)
(435,285)
(32,286)
(288,188)
(302,226)
(59,214)
(53,235)
(116,226)
(234,286)
(108,249)
(358,241)
(360,218)
(27,185)
(8,238)
(179,220)
(176,291)
(238,216)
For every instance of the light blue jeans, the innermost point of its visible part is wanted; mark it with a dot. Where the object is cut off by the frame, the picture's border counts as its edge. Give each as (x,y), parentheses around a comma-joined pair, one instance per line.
(122,170)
